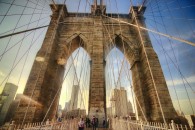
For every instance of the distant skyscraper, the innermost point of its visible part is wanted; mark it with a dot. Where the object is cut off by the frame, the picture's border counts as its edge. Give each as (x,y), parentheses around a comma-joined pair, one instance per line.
(6,99)
(59,112)
(129,107)
(119,102)
(74,97)
(12,108)
(67,104)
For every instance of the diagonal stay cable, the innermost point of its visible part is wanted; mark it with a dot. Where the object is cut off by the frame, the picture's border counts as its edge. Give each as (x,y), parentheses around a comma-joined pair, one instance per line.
(8,35)
(154,31)
(17,43)
(20,60)
(23,14)
(24,25)
(149,66)
(19,5)
(7,11)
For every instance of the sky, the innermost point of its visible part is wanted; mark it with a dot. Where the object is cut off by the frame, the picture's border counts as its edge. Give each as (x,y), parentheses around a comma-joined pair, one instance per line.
(173,17)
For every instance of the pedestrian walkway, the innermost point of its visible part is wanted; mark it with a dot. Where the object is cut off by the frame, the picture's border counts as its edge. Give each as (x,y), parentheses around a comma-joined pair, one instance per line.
(99,129)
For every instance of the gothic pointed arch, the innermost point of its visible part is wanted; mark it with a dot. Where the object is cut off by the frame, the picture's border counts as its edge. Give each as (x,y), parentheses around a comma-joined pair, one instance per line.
(69,45)
(126,45)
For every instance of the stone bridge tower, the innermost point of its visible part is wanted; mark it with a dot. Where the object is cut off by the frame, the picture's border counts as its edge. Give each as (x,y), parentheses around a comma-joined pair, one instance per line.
(97,35)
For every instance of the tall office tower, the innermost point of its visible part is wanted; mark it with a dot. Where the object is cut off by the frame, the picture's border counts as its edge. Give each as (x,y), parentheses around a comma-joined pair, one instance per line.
(12,108)
(67,106)
(74,97)
(119,103)
(6,99)
(129,107)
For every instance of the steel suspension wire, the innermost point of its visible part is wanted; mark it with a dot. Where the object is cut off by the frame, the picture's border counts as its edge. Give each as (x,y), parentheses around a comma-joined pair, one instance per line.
(17,63)
(179,66)
(23,14)
(7,11)
(46,53)
(19,5)
(14,27)
(75,71)
(112,60)
(176,66)
(148,63)
(167,63)
(24,25)
(120,31)
(114,45)
(61,83)
(37,4)
(132,94)
(8,35)
(78,80)
(17,53)
(27,55)
(112,65)
(134,97)
(84,77)
(124,46)
(153,31)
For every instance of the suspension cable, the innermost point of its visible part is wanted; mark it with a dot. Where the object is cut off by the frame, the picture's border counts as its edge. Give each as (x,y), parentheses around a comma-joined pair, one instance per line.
(8,35)
(166,61)
(152,76)
(112,60)
(150,30)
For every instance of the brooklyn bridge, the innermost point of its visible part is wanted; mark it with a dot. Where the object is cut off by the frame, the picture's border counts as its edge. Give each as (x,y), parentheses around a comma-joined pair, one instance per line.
(97,64)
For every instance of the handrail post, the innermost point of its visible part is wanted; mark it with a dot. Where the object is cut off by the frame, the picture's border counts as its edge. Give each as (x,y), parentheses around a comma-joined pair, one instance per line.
(11,126)
(141,123)
(173,125)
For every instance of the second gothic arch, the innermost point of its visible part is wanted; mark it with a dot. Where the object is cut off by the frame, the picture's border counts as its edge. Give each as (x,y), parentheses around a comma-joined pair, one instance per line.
(127,46)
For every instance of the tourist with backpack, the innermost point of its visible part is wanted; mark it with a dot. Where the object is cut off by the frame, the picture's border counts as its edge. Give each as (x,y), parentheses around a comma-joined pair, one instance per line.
(94,123)
(81,124)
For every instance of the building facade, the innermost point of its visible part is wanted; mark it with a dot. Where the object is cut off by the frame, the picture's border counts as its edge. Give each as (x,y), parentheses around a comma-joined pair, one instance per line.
(119,103)
(74,98)
(6,98)
(12,108)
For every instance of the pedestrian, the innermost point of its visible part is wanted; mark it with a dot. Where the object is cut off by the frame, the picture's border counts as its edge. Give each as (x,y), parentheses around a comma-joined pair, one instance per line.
(93,122)
(104,123)
(81,124)
(96,122)
(87,122)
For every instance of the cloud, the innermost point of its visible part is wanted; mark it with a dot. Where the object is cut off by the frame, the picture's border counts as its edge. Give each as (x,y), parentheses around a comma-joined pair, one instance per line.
(190,80)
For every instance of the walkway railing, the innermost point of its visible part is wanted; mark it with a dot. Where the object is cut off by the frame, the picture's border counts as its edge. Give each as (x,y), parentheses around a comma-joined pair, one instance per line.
(114,124)
(65,125)
(121,124)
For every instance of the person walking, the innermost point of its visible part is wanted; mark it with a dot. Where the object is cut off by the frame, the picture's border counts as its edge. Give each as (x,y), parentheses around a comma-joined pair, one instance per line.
(87,122)
(81,124)
(104,123)
(93,122)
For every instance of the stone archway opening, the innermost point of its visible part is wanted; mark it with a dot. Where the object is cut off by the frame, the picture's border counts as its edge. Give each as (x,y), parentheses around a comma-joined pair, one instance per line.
(75,89)
(120,100)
